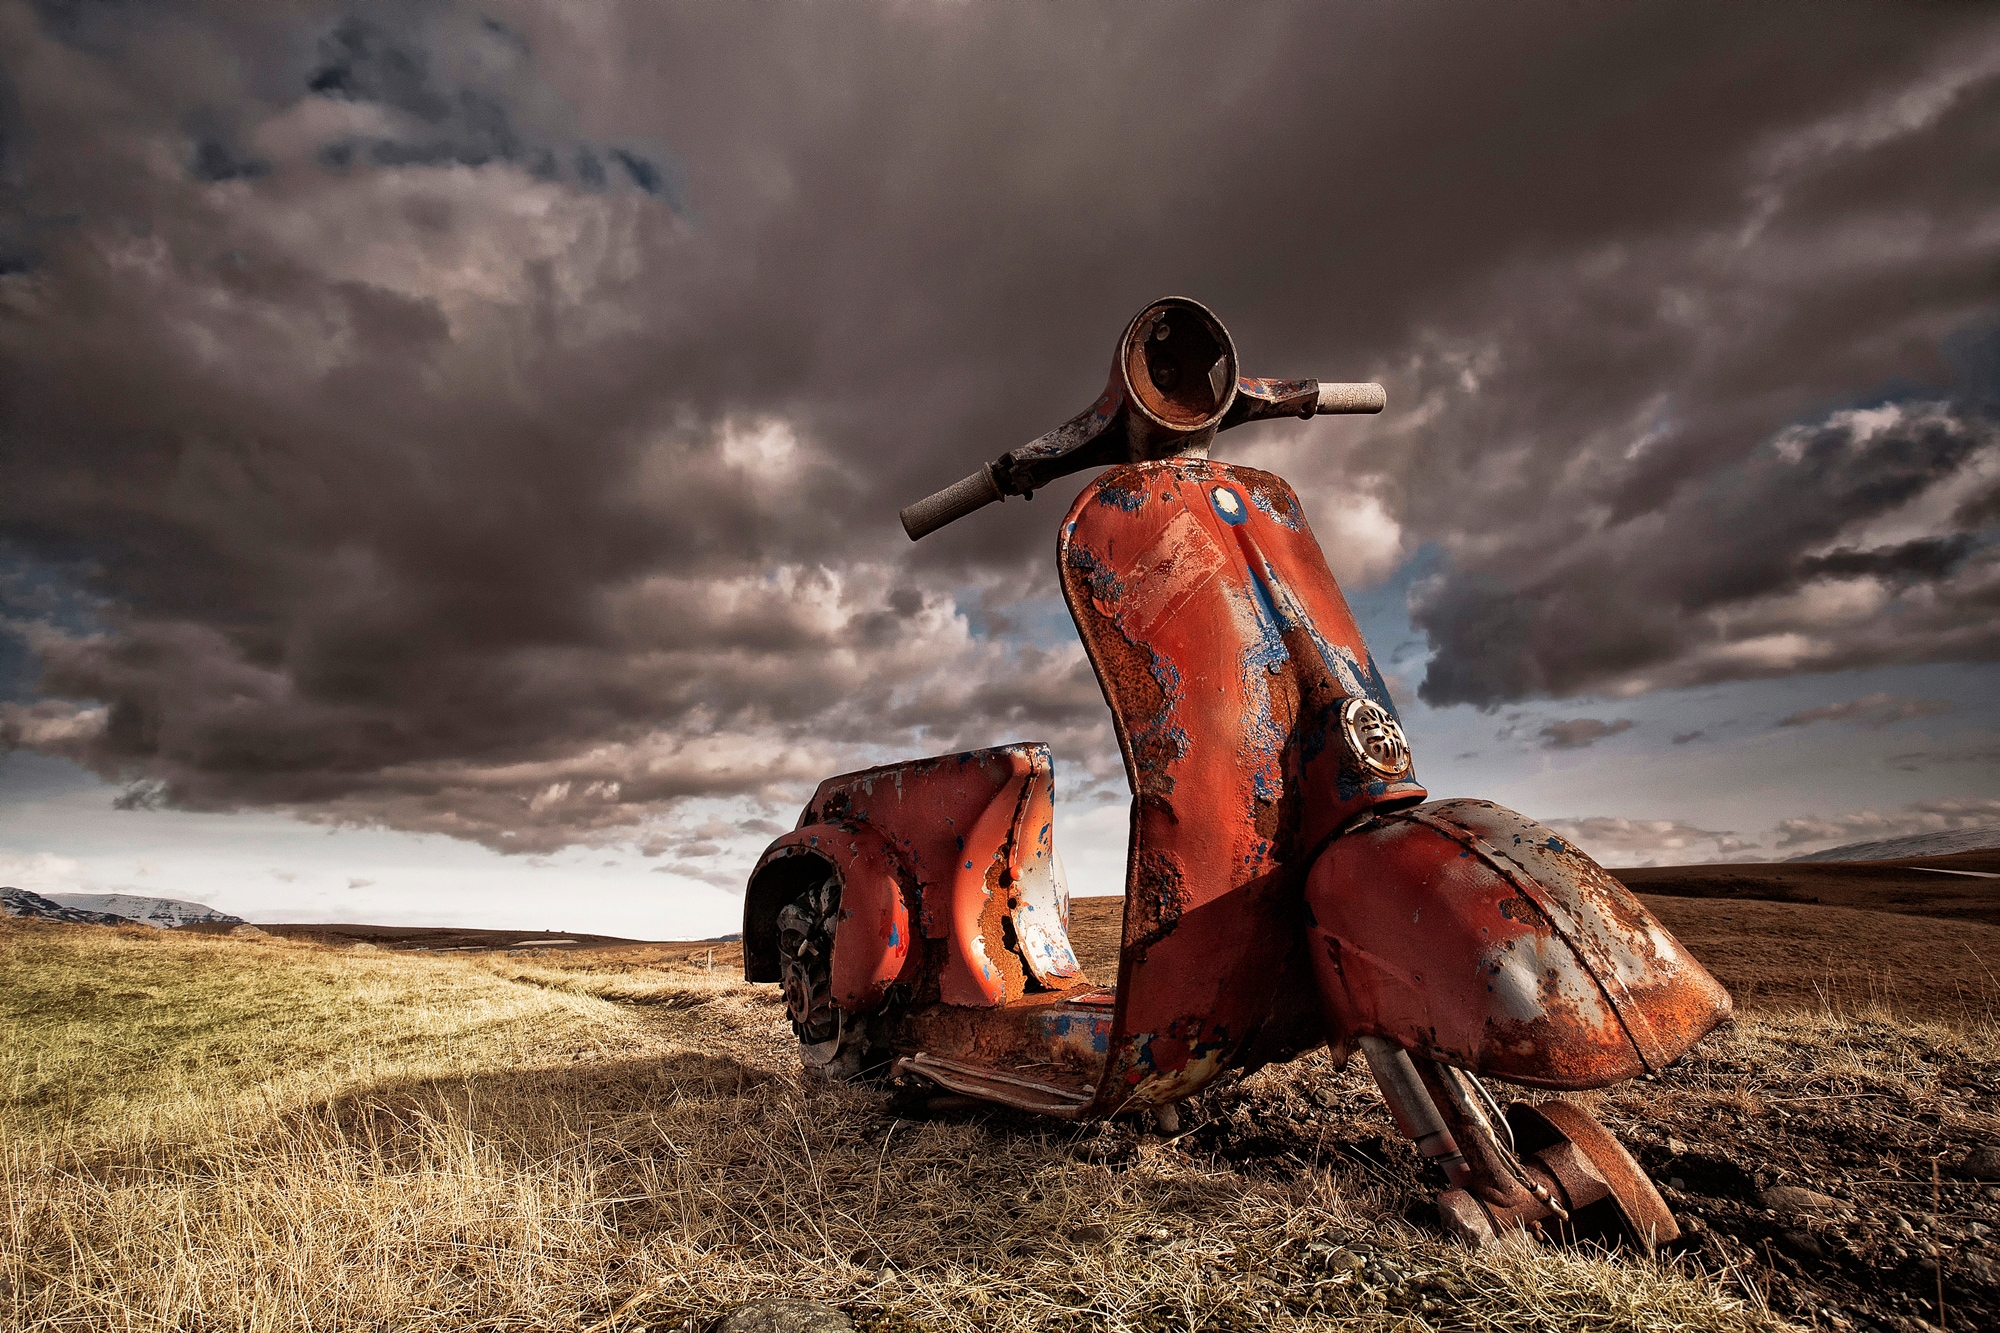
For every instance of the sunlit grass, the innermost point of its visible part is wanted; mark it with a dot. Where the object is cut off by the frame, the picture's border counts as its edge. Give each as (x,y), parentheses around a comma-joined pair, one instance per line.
(111,1034)
(205,1133)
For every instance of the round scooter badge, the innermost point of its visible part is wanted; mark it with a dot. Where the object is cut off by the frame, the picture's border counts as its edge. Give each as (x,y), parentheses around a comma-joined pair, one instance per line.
(1375,737)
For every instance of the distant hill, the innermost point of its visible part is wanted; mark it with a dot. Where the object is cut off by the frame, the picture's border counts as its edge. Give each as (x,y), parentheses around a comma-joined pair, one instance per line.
(20,902)
(1962,886)
(1916,844)
(165,913)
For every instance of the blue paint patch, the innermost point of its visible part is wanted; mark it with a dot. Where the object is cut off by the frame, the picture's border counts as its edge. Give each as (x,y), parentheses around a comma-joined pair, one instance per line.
(1115,496)
(1262,659)
(1105,585)
(1160,734)
(1196,1049)
(1228,505)
(1314,734)
(1072,1029)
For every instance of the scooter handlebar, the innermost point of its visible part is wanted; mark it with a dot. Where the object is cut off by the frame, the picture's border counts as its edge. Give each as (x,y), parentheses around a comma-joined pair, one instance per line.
(1351,398)
(951,504)
(1264,398)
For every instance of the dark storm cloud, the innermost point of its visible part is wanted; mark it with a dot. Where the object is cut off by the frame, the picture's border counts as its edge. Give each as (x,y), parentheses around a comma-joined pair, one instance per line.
(1874,710)
(1987,756)
(493,421)
(1578,733)
(1931,558)
(1713,583)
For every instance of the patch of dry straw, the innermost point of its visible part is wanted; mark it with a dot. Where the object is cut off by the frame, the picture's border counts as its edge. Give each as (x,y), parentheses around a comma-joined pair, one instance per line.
(373,1141)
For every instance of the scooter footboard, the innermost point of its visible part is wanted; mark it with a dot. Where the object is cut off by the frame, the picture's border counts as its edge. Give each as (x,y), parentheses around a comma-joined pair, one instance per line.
(1469,934)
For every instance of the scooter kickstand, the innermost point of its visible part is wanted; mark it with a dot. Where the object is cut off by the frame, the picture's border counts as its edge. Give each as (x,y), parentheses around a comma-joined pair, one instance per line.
(1491,1190)
(1417,1118)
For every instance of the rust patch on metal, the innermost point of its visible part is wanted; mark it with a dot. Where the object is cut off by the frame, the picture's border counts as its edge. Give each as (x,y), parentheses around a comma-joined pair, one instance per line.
(1159,905)
(996,929)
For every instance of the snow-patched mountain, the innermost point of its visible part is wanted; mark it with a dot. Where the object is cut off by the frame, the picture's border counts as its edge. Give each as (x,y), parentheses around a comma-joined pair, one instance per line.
(1916,844)
(163,912)
(20,902)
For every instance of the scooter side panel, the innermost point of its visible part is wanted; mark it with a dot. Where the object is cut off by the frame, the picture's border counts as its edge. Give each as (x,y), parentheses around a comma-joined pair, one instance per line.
(953,821)
(1469,934)
(1227,655)
(871,948)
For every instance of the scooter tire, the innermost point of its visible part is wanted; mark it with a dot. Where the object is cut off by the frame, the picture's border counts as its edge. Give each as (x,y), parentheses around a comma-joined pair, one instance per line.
(832,1042)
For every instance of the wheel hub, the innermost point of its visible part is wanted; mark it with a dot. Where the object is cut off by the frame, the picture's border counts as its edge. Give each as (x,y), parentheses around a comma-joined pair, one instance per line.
(805,970)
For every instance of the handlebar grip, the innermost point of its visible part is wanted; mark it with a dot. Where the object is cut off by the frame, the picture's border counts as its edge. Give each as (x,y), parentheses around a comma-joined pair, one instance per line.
(1351,398)
(950,504)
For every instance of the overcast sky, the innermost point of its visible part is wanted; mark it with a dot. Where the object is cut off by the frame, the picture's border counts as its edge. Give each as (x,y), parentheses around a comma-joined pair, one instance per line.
(449,453)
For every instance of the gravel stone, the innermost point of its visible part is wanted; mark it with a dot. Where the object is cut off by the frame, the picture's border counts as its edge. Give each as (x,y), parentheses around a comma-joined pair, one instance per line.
(1796,1199)
(1982,1163)
(779,1315)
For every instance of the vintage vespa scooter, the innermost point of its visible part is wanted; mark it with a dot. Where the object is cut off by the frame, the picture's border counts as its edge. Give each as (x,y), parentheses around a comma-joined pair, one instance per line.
(1286,886)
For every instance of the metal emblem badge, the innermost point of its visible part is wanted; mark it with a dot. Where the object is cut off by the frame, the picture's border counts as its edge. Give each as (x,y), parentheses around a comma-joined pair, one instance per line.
(1375,737)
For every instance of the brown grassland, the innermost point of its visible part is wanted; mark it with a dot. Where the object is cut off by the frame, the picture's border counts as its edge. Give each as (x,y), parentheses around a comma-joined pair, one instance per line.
(207,1132)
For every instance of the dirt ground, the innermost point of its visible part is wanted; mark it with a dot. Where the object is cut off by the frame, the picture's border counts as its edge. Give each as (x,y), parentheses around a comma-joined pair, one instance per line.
(1863,1053)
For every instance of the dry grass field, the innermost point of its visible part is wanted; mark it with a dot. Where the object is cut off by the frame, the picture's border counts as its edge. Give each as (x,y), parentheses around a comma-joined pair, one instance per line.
(206,1132)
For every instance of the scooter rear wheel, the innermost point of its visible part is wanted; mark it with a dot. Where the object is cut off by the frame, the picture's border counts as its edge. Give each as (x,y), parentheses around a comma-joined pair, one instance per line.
(831,1040)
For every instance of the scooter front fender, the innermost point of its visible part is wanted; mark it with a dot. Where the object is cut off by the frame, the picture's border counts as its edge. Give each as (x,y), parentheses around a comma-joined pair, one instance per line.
(1474,936)
(871,947)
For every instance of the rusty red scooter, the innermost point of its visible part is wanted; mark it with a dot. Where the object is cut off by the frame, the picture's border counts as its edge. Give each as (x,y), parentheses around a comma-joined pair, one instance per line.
(1287,885)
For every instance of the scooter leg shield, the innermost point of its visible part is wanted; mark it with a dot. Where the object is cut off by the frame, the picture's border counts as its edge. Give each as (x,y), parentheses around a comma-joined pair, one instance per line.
(1467,933)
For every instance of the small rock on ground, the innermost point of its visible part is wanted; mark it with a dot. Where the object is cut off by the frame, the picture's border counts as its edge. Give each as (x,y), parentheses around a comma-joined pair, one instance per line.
(1982,1163)
(779,1315)
(1794,1199)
